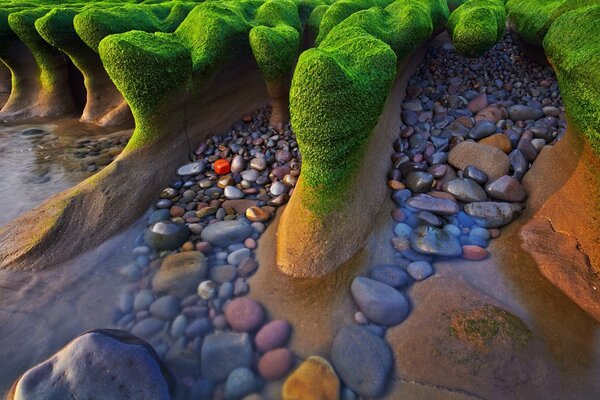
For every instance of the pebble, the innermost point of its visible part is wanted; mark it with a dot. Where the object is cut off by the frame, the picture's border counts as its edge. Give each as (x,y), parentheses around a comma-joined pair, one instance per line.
(419,181)
(224,233)
(207,290)
(474,253)
(233,193)
(475,174)
(272,335)
(494,162)
(464,189)
(482,130)
(240,383)
(362,360)
(314,379)
(524,113)
(194,168)
(180,273)
(391,275)
(236,257)
(165,307)
(420,270)
(178,326)
(278,188)
(223,273)
(222,353)
(492,214)
(381,303)
(500,141)
(506,188)
(436,242)
(432,204)
(166,235)
(244,314)
(147,328)
(259,164)
(275,364)
(143,300)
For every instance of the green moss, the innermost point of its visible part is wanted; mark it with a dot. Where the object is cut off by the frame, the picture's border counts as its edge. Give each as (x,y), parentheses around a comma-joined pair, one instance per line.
(313,23)
(476,26)
(482,325)
(149,70)
(454,4)
(47,58)
(576,58)
(275,42)
(342,9)
(94,24)
(339,90)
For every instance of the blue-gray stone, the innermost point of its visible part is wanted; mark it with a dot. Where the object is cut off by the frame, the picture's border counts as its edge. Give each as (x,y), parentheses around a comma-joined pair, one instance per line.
(107,364)
(194,168)
(148,327)
(436,242)
(240,382)
(159,215)
(391,275)
(225,233)
(464,189)
(166,235)
(492,214)
(425,202)
(223,352)
(362,360)
(420,270)
(381,303)
(482,129)
(165,307)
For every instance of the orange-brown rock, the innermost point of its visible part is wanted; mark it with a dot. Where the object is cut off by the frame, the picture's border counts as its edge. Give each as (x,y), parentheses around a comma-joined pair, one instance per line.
(499,140)
(314,379)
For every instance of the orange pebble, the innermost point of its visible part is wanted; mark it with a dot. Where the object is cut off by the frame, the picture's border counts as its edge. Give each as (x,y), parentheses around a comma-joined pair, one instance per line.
(474,253)
(222,167)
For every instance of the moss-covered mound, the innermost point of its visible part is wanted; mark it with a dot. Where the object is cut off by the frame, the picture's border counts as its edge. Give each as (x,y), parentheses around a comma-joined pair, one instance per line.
(476,26)
(571,48)
(339,89)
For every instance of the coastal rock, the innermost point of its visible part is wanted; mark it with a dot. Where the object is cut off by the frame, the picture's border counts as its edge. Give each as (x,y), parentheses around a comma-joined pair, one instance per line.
(244,314)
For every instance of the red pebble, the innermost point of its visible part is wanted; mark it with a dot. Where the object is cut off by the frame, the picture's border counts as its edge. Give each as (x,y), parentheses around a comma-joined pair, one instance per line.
(275,364)
(474,253)
(222,167)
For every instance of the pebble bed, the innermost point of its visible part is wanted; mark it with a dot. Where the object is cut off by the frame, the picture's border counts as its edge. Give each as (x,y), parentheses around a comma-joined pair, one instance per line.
(191,264)
(470,131)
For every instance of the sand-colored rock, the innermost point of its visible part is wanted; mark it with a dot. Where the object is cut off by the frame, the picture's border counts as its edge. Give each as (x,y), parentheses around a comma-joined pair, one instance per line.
(314,379)
(499,140)
(180,273)
(488,159)
(311,246)
(484,349)
(563,236)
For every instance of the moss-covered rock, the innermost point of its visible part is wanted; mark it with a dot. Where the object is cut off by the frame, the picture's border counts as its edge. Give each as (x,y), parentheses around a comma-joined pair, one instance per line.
(339,89)
(476,26)
(576,58)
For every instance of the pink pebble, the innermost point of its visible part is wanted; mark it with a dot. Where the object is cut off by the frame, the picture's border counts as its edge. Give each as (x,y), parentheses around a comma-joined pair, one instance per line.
(272,335)
(275,364)
(244,314)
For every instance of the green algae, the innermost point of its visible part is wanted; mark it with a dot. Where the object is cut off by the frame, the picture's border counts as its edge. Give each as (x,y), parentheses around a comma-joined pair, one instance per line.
(476,26)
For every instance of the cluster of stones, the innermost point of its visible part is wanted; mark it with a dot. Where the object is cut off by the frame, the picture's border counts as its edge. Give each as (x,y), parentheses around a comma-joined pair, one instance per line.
(471,130)
(96,153)
(193,260)
(464,146)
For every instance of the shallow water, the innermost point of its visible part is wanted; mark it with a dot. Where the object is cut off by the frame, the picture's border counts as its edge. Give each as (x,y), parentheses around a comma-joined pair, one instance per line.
(35,167)
(41,311)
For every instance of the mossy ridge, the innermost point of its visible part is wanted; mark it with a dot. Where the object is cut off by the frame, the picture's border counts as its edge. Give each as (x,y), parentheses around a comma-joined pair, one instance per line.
(275,40)
(95,23)
(339,90)
(342,9)
(576,60)
(162,68)
(200,48)
(476,26)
